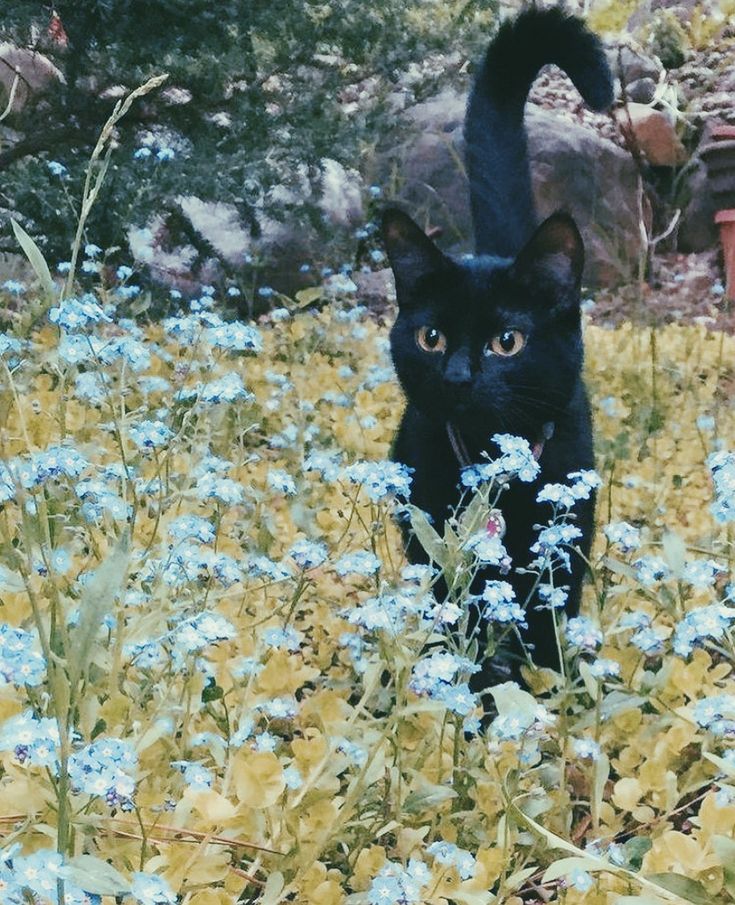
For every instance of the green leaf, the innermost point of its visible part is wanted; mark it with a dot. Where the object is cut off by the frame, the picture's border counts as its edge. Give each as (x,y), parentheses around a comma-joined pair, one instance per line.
(635,850)
(36,259)
(96,876)
(684,887)
(427,536)
(98,599)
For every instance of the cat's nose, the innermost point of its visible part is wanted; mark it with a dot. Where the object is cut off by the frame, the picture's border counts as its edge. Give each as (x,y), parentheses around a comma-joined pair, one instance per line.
(457,371)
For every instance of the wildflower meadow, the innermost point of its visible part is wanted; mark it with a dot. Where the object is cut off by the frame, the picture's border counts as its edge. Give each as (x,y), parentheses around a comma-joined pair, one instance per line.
(220,680)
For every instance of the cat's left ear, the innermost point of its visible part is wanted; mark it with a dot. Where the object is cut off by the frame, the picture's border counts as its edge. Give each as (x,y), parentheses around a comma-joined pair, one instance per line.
(555,252)
(413,256)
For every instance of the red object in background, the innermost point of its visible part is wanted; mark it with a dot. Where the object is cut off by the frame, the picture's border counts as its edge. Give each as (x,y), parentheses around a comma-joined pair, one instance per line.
(726,221)
(56,30)
(719,156)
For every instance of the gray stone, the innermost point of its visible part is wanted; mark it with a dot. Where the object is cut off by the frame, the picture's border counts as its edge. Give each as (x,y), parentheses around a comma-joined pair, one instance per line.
(630,62)
(572,166)
(641,91)
(597,182)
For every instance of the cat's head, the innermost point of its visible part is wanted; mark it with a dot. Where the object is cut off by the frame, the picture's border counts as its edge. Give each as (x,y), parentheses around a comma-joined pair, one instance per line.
(489,344)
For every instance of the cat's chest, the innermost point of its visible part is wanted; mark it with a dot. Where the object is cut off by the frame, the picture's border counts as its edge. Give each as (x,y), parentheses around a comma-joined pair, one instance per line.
(435,485)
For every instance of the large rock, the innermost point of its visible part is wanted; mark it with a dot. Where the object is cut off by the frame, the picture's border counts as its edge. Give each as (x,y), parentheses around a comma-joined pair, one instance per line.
(30,72)
(572,166)
(654,133)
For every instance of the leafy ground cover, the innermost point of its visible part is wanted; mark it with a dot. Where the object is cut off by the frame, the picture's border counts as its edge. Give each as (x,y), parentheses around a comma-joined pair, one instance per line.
(214,680)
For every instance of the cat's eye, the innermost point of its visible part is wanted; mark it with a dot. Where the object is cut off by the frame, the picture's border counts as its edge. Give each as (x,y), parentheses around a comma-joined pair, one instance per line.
(430,339)
(507,343)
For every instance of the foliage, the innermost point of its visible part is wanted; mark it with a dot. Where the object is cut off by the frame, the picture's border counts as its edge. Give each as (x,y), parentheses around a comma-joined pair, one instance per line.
(245,78)
(213,674)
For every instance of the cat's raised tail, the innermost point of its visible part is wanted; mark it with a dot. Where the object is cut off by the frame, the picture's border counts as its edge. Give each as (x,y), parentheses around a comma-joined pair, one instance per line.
(503,211)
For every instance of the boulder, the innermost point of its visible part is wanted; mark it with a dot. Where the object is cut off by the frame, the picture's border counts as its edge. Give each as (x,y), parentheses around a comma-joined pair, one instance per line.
(34,72)
(654,133)
(573,167)
(641,91)
(597,182)
(629,62)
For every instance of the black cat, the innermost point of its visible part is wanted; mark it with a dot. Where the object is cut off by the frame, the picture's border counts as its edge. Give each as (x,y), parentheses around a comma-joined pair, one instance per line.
(493,344)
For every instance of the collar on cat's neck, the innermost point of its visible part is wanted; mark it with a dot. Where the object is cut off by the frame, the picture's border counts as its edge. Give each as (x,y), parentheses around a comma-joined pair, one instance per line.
(460,449)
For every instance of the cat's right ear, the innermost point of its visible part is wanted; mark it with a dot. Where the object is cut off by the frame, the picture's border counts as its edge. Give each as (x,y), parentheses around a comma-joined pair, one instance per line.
(413,256)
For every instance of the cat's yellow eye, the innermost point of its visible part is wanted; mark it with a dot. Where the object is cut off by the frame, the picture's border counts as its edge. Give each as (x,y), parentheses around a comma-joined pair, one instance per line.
(507,343)
(430,339)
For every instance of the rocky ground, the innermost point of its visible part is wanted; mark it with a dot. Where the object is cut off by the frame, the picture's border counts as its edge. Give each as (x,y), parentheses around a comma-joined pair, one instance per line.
(682,288)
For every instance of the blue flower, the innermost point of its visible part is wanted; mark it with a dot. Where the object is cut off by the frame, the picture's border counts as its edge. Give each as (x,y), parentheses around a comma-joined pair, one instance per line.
(57,169)
(380,480)
(580,879)
(650,570)
(697,625)
(437,670)
(14,287)
(32,740)
(499,604)
(582,633)
(293,778)
(165,154)
(626,536)
(20,661)
(279,708)
(281,482)
(449,854)
(197,777)
(224,490)
(586,748)
(73,314)
(148,435)
(148,889)
(358,563)
(722,466)
(106,768)
(701,573)
(326,464)
(717,713)
(186,526)
(236,337)
(287,638)
(603,668)
(648,640)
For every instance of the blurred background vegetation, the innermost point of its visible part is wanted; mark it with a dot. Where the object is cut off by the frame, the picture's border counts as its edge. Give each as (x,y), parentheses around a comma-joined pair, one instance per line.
(262,146)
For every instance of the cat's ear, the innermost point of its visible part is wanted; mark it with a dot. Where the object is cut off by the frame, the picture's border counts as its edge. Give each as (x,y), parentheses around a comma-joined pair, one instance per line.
(555,252)
(412,254)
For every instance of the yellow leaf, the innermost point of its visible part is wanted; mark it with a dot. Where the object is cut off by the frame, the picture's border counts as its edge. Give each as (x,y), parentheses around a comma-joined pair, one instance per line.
(211,805)
(258,778)
(627,793)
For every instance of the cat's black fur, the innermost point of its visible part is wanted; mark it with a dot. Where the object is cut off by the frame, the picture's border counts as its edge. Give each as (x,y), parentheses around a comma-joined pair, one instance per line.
(523,278)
